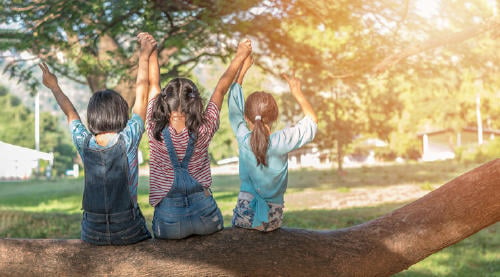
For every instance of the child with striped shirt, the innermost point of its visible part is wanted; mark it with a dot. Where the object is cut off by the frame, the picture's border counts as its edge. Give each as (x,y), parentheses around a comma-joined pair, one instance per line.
(180,131)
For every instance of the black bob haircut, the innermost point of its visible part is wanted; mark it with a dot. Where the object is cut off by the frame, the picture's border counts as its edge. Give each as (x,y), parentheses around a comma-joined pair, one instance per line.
(107,112)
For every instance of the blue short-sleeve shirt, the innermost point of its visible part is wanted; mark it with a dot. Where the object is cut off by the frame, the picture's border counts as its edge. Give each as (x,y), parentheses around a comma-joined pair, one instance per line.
(132,134)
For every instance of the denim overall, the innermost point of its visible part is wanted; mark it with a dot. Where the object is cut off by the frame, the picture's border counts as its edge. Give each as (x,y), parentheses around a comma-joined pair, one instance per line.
(188,209)
(110,216)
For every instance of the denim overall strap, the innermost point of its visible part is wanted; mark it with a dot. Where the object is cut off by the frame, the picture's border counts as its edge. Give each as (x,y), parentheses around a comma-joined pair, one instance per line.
(106,179)
(189,151)
(184,184)
(171,150)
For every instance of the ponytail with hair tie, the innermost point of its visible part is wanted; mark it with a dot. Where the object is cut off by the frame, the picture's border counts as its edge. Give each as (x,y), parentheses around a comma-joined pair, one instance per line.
(262,108)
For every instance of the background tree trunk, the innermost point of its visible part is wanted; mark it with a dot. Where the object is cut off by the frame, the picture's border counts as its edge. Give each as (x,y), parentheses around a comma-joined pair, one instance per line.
(380,247)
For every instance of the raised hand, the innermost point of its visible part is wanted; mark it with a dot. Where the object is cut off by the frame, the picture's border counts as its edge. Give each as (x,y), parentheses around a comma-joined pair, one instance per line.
(293,83)
(147,43)
(296,90)
(244,48)
(49,80)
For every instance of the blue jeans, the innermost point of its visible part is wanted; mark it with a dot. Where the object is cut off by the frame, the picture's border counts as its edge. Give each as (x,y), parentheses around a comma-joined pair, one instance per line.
(110,215)
(180,217)
(114,229)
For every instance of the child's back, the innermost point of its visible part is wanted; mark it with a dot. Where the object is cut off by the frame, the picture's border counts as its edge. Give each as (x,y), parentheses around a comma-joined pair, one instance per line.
(161,165)
(111,215)
(271,180)
(263,156)
(179,133)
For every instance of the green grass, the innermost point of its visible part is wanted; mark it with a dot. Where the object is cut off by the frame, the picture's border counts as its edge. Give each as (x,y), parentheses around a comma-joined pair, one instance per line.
(478,255)
(51,209)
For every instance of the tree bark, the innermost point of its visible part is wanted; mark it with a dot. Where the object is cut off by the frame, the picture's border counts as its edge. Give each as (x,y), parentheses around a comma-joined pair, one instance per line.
(380,247)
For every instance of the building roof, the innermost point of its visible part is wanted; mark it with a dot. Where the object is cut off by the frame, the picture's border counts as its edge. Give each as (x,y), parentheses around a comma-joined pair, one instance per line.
(14,152)
(466,129)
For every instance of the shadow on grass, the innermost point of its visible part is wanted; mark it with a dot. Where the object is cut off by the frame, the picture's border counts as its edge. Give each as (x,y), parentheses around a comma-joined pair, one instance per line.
(325,219)
(20,224)
(226,196)
(16,224)
(378,176)
(36,193)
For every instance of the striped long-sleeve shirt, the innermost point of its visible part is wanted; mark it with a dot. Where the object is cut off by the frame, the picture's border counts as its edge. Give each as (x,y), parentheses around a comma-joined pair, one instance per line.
(160,167)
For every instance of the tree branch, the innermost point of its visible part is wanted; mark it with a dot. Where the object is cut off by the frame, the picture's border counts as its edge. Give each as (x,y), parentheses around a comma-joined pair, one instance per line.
(446,39)
(380,247)
(195,59)
(492,24)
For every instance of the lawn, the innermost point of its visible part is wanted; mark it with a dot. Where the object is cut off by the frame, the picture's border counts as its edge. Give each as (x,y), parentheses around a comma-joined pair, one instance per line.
(51,209)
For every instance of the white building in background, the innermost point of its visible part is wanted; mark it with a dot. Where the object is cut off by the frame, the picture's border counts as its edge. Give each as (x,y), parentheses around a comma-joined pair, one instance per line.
(19,163)
(441,144)
(309,156)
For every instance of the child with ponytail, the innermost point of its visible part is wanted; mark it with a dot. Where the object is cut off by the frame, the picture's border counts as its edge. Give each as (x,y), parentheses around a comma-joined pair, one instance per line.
(263,156)
(180,131)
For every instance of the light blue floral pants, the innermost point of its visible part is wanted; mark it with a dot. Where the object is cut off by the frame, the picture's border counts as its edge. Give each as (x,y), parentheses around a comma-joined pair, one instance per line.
(243,214)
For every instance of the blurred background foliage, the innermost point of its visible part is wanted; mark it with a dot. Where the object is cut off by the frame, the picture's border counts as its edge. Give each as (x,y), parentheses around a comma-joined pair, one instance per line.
(382,69)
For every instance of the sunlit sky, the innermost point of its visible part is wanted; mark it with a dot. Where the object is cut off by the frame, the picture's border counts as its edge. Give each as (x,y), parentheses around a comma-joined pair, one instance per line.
(427,8)
(430,8)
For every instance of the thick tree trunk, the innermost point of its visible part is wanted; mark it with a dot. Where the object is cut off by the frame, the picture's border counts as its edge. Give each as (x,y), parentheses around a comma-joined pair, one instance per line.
(97,80)
(380,247)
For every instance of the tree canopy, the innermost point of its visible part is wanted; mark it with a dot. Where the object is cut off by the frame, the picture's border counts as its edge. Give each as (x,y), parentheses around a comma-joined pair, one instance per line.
(382,68)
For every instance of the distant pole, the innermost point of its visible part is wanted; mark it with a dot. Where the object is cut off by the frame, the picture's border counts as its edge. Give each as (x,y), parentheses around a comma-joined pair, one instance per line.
(425,146)
(479,86)
(37,129)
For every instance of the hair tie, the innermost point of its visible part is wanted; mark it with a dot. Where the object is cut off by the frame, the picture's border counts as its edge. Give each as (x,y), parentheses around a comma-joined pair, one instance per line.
(192,94)
(258,117)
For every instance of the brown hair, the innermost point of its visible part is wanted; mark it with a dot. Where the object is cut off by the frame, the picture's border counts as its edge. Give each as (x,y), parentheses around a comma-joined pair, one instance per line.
(180,94)
(260,104)
(107,111)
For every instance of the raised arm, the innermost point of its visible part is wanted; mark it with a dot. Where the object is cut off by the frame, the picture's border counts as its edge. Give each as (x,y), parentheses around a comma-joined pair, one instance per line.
(296,91)
(154,75)
(243,69)
(244,49)
(148,44)
(50,81)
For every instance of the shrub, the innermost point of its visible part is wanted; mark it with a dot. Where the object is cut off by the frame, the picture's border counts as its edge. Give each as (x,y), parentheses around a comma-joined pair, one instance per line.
(479,154)
(385,154)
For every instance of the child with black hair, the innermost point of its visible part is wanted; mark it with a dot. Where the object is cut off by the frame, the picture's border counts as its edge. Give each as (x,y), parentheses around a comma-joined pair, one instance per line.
(111,215)
(180,131)
(263,156)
